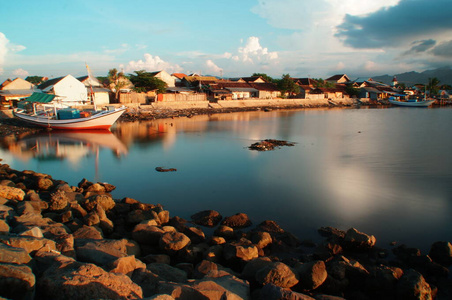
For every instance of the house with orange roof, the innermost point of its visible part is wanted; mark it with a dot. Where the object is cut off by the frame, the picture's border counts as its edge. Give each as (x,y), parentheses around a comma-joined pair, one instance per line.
(12,91)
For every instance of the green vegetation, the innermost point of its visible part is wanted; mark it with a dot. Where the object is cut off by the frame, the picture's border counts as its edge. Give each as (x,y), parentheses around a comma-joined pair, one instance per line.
(34,79)
(145,82)
(321,83)
(287,86)
(433,86)
(116,81)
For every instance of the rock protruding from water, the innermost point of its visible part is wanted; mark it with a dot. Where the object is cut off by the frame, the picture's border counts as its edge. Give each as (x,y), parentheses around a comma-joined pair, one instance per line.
(269,144)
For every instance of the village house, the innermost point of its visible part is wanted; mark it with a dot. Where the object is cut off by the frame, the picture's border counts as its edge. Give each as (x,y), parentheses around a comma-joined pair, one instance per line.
(11,91)
(67,90)
(340,78)
(178,78)
(337,92)
(96,93)
(165,77)
(251,79)
(306,85)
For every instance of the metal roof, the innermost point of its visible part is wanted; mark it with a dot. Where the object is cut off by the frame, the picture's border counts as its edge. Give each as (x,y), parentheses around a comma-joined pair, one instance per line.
(40,97)
(238,89)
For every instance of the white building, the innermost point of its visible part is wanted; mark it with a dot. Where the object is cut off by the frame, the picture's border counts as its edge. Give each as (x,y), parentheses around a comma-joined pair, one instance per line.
(67,90)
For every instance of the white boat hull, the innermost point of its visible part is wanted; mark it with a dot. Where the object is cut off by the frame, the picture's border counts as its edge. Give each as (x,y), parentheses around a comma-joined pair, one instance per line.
(102,120)
(425,103)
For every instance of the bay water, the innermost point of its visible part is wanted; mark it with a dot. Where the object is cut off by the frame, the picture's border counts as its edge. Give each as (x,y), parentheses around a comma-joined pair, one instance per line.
(386,172)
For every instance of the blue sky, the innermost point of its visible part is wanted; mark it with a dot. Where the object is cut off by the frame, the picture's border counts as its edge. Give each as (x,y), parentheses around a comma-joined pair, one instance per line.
(315,38)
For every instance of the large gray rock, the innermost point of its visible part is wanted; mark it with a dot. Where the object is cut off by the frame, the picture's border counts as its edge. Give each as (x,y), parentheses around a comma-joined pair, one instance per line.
(6,212)
(105,201)
(58,201)
(28,243)
(11,193)
(224,287)
(239,220)
(146,234)
(242,250)
(88,232)
(100,252)
(261,238)
(126,265)
(180,291)
(441,252)
(147,280)
(167,273)
(195,234)
(311,274)
(253,266)
(412,285)
(273,292)
(17,282)
(355,239)
(85,281)
(13,255)
(278,274)
(4,227)
(173,241)
(208,218)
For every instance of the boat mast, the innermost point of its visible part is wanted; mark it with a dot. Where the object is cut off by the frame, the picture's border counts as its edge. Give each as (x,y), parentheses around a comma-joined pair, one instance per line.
(90,80)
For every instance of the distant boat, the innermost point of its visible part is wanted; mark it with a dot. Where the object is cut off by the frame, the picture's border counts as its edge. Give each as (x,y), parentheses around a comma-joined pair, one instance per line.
(65,118)
(412,103)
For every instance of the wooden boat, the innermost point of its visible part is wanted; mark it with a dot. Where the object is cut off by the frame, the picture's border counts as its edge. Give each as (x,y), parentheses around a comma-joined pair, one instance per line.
(103,119)
(412,103)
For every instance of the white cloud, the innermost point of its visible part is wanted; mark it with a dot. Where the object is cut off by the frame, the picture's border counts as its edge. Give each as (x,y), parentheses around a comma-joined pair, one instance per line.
(253,51)
(21,73)
(151,63)
(3,50)
(213,68)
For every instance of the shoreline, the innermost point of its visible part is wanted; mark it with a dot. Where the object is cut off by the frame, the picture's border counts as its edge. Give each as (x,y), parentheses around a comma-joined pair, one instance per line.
(14,128)
(57,240)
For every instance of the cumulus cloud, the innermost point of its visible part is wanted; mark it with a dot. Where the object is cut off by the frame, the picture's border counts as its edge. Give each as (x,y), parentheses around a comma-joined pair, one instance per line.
(391,26)
(253,52)
(151,63)
(444,49)
(3,50)
(20,73)
(213,68)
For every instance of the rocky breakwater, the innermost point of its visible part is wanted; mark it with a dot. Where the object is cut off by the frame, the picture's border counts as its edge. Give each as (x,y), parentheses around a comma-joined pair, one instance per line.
(77,242)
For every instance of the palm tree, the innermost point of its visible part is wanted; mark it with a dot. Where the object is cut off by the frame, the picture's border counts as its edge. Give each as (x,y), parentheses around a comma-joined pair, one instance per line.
(432,86)
(117,81)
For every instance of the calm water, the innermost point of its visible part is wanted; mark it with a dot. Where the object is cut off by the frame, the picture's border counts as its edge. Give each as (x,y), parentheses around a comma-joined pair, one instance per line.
(386,172)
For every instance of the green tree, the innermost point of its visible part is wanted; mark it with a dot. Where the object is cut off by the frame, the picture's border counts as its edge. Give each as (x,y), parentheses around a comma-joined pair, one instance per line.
(351,90)
(117,81)
(34,79)
(264,76)
(432,86)
(145,81)
(287,85)
(321,83)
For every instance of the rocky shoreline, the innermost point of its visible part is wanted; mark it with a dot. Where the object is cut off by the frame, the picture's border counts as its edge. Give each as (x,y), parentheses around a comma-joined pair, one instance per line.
(12,127)
(77,242)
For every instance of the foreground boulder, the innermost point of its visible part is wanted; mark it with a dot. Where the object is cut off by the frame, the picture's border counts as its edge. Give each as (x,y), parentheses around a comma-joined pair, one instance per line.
(278,274)
(17,281)
(86,281)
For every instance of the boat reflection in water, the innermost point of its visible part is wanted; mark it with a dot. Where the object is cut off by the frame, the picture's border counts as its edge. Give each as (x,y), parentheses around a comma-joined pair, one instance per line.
(66,145)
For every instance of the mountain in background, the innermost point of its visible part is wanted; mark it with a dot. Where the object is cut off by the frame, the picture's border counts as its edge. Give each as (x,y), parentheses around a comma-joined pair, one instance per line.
(444,75)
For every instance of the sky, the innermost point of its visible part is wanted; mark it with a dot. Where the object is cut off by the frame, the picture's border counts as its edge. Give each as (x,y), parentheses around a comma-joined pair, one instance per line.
(234,38)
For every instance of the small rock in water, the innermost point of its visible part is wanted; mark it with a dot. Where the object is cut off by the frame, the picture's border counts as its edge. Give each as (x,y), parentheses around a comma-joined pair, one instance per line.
(160,169)
(269,144)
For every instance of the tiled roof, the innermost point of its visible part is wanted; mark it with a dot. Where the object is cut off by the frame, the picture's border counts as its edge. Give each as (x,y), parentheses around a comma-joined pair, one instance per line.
(49,82)
(179,75)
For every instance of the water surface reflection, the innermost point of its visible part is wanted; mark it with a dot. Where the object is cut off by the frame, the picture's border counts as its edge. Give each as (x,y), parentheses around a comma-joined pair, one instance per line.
(386,172)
